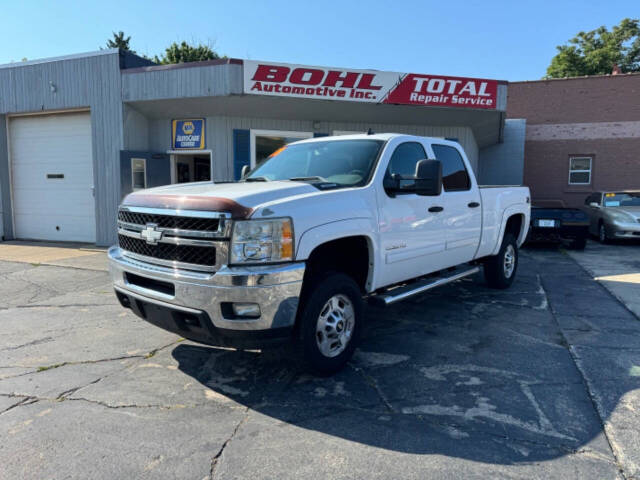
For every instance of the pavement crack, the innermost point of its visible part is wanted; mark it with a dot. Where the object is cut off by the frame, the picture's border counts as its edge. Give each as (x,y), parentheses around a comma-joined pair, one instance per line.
(29,344)
(374,384)
(64,395)
(28,400)
(147,355)
(218,455)
(48,305)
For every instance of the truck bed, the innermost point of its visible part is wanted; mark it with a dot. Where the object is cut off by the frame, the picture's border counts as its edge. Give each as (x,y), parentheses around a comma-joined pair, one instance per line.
(498,203)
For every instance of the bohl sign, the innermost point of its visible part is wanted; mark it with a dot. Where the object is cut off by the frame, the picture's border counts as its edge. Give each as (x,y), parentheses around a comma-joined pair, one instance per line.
(368,86)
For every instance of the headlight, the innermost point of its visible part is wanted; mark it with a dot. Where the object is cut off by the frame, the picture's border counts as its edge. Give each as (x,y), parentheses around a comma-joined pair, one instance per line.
(262,241)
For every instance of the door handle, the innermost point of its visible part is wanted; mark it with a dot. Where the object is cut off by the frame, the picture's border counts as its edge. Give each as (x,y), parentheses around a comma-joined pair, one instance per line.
(436,209)
(473,205)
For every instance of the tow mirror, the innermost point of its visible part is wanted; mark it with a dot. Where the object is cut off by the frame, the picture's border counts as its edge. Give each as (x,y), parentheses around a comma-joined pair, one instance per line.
(428,178)
(245,171)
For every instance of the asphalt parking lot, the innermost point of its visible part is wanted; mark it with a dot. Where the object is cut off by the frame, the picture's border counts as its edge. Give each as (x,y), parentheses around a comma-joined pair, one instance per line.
(539,381)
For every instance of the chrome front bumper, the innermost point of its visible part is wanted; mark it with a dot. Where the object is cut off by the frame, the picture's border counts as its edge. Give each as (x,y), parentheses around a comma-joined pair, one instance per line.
(275,288)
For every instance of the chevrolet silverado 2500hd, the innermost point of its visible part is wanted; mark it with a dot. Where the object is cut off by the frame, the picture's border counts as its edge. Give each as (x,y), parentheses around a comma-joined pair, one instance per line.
(292,249)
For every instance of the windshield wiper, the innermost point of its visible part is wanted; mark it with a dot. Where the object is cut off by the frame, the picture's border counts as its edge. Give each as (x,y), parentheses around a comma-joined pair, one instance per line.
(256,179)
(307,179)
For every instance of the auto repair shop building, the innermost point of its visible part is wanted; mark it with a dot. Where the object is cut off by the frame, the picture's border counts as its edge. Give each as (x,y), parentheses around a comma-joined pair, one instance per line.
(78,133)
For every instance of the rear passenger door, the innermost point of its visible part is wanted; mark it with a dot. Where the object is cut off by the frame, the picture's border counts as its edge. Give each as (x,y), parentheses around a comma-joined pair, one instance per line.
(462,215)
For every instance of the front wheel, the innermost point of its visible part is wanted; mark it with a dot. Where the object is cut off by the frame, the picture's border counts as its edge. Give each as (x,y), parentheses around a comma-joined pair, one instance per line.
(331,322)
(500,269)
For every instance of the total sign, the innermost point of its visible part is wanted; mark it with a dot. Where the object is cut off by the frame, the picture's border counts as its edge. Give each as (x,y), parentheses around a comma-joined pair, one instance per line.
(372,86)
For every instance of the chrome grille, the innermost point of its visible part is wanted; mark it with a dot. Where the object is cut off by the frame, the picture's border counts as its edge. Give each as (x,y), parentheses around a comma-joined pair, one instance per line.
(169,221)
(168,251)
(189,240)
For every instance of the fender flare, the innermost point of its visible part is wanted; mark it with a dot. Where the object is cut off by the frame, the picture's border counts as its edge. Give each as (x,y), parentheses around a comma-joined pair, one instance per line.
(353,227)
(516,209)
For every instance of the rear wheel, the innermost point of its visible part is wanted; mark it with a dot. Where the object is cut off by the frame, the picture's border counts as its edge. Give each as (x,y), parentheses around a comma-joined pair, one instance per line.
(330,322)
(602,233)
(500,269)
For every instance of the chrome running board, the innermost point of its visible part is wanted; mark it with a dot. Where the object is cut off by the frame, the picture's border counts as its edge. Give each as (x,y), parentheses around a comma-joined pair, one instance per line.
(402,293)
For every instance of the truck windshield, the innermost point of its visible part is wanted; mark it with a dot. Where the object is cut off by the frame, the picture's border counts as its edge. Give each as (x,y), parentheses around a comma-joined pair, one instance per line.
(622,199)
(346,163)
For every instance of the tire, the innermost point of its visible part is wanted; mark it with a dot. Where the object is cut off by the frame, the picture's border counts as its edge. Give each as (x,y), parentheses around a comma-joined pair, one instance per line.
(499,271)
(330,322)
(602,233)
(578,243)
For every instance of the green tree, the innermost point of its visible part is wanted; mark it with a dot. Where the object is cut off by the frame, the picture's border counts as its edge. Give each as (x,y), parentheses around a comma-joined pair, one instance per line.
(183,52)
(119,41)
(597,51)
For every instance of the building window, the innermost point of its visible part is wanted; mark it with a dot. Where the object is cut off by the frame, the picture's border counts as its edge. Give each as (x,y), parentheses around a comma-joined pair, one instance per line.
(138,174)
(580,170)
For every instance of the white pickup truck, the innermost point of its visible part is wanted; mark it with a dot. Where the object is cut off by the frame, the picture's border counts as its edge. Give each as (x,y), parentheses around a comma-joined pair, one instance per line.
(293,249)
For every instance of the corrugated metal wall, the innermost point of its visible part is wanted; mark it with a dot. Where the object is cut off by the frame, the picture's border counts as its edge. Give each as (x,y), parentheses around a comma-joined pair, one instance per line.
(503,164)
(92,82)
(5,196)
(219,131)
(191,81)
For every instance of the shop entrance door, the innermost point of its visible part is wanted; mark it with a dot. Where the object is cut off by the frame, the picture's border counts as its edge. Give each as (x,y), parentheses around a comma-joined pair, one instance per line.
(191,167)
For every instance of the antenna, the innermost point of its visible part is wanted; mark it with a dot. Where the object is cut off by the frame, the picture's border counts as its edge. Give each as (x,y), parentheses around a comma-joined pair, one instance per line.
(370,132)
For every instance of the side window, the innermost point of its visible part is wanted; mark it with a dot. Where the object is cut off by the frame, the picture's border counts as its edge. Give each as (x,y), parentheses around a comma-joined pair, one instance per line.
(404,159)
(454,174)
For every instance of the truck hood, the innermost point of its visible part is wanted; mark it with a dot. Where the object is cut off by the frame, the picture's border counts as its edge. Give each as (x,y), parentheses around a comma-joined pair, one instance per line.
(238,199)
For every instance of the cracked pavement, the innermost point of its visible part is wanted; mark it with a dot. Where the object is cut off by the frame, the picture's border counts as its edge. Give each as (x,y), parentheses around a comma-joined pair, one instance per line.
(539,381)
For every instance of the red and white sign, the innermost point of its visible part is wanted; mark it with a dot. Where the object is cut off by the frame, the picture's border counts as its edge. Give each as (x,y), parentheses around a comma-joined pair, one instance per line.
(371,86)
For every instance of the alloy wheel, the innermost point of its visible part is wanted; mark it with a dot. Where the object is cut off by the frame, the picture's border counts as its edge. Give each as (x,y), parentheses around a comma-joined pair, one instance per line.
(509,264)
(335,325)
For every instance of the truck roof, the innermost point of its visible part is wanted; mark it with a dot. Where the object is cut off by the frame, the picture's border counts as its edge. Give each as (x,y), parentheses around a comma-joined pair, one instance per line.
(373,136)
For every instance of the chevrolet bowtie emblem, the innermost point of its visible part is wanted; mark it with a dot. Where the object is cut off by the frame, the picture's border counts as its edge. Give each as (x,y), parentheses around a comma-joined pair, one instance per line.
(151,234)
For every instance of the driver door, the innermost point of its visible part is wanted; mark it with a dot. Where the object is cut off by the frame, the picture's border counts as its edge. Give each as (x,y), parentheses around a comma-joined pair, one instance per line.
(411,229)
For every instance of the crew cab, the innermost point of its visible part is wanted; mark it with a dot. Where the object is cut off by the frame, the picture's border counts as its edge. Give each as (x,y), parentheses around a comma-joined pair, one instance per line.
(293,249)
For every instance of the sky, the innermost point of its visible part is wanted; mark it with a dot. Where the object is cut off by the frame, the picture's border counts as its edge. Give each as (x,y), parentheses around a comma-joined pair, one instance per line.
(506,40)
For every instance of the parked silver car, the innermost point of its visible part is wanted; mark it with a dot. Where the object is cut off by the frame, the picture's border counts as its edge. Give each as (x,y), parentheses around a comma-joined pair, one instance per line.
(614,214)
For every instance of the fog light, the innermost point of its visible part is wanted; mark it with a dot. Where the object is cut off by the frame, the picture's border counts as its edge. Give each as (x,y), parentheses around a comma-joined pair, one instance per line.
(251,310)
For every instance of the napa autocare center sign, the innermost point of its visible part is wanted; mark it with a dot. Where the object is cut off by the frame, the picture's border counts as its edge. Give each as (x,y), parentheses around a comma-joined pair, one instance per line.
(371,86)
(187,134)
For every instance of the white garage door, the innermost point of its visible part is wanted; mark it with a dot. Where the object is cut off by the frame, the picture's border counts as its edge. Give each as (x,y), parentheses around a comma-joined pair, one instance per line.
(52,177)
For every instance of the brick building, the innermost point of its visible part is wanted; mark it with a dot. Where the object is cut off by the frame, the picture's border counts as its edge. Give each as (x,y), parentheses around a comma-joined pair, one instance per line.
(582,135)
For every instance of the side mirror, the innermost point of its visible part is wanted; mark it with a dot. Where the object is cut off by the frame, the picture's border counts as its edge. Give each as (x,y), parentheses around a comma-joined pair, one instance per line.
(245,171)
(428,178)
(594,205)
